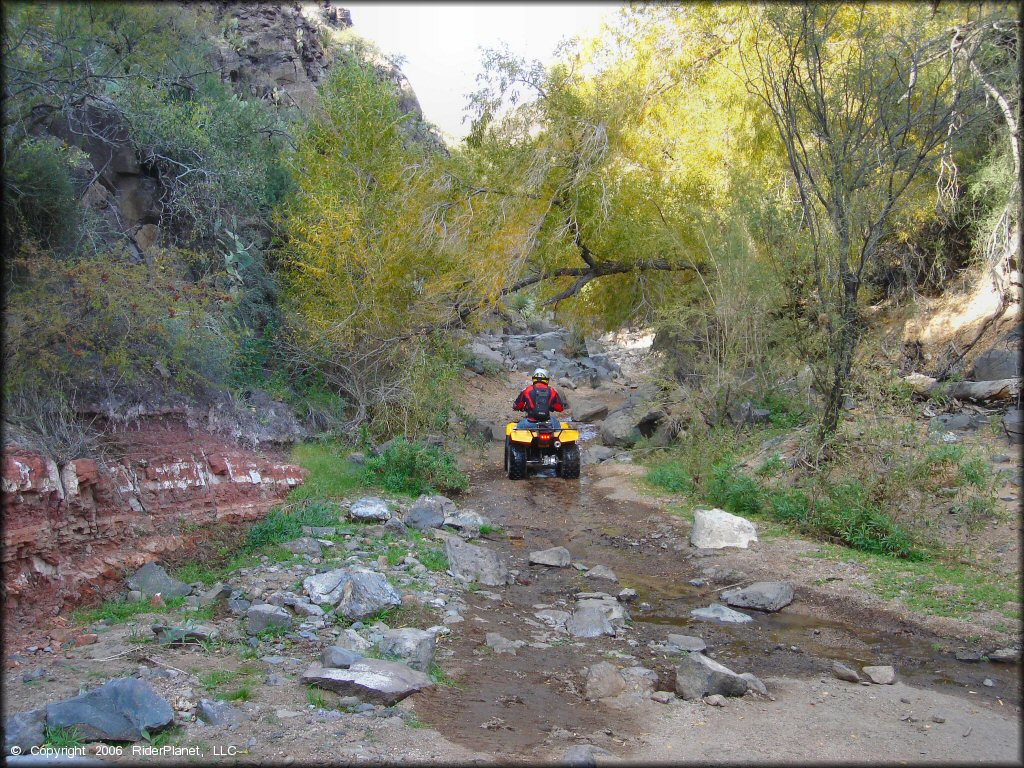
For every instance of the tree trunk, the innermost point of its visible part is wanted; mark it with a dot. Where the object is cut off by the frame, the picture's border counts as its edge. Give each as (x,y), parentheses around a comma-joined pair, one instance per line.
(842,362)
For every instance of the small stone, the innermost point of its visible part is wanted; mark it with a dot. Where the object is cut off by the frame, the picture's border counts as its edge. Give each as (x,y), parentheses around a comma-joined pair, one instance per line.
(85,640)
(557,557)
(627,595)
(843,672)
(601,572)
(685,643)
(134,596)
(880,675)
(1004,656)
(968,656)
(938,719)
(663,697)
(697,582)
(715,700)
(987,682)
(34,674)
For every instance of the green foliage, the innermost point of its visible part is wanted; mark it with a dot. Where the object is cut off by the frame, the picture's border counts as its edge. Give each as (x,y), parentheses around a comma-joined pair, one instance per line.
(733,491)
(62,738)
(670,477)
(331,475)
(119,611)
(40,202)
(433,559)
(413,468)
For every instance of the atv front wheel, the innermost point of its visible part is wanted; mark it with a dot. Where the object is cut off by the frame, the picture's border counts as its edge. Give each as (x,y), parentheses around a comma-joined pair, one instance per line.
(516,462)
(570,465)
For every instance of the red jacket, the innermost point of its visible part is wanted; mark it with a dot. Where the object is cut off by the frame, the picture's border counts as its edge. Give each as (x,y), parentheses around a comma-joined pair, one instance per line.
(525,401)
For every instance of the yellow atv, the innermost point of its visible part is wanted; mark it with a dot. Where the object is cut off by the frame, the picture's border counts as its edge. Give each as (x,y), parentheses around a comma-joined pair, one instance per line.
(541,444)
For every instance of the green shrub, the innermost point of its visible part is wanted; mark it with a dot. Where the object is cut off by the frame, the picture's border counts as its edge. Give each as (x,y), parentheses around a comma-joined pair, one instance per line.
(734,492)
(671,477)
(275,528)
(331,474)
(413,468)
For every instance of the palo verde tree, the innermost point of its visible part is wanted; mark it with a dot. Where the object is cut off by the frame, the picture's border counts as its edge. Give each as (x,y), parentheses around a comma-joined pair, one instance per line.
(862,97)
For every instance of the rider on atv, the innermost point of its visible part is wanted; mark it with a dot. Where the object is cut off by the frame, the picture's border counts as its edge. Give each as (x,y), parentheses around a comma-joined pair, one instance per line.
(539,399)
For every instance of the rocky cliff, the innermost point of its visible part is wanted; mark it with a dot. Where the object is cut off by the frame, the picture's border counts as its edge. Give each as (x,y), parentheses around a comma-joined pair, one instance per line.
(72,530)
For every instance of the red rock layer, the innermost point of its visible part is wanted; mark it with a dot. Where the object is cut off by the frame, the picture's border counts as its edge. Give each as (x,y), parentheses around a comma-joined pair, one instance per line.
(72,532)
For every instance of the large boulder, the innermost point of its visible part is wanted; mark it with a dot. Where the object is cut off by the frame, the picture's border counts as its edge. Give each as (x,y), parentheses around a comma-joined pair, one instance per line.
(635,419)
(484,354)
(374,681)
(25,730)
(761,596)
(698,676)
(552,341)
(414,647)
(557,557)
(469,562)
(587,412)
(119,710)
(151,579)
(466,520)
(1013,423)
(997,363)
(369,509)
(715,529)
(612,609)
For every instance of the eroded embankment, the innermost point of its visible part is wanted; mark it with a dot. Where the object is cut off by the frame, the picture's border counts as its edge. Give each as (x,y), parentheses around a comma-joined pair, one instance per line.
(72,530)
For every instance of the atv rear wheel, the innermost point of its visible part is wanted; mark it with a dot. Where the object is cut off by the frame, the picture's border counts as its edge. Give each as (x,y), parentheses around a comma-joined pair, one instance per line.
(516,462)
(570,465)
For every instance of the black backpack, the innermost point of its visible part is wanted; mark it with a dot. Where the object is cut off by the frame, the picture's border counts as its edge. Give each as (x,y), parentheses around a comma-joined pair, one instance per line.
(541,398)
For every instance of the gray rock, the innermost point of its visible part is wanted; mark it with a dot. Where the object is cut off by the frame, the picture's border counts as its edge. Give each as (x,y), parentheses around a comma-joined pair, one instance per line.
(238,606)
(603,680)
(119,710)
(698,676)
(218,591)
(374,681)
(584,755)
(685,643)
(843,672)
(24,730)
(218,713)
(394,525)
(466,520)
(304,546)
(429,512)
(353,641)
(552,341)
(880,675)
(469,562)
(589,412)
(482,352)
(640,680)
(1005,655)
(356,592)
(718,612)
(601,572)
(151,579)
(557,557)
(33,674)
(169,635)
(369,509)
(997,363)
(589,621)
(134,596)
(715,700)
(501,644)
(414,647)
(626,595)
(553,618)
(754,683)
(337,657)
(261,617)
(959,422)
(968,656)
(745,413)
(716,528)
(761,596)
(635,419)
(1013,424)
(663,697)
(595,454)
(613,610)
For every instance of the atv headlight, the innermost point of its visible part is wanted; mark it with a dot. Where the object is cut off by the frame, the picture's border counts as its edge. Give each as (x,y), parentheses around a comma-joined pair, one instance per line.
(558,443)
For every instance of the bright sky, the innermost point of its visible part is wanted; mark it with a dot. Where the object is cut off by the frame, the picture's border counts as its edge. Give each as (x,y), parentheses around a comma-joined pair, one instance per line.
(441,42)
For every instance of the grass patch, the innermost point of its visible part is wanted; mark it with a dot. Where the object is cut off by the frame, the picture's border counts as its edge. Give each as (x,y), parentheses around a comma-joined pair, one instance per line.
(937,587)
(433,559)
(316,697)
(413,468)
(331,474)
(241,694)
(441,677)
(278,526)
(670,477)
(62,738)
(119,611)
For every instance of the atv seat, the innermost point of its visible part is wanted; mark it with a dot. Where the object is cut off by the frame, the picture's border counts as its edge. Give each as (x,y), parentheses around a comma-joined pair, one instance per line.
(528,423)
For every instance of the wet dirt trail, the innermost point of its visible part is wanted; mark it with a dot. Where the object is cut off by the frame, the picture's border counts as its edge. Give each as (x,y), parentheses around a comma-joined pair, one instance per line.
(530,705)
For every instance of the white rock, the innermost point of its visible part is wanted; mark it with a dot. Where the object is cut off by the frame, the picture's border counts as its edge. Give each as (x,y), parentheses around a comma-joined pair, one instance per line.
(715,529)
